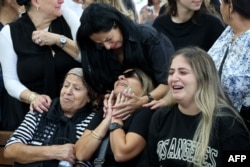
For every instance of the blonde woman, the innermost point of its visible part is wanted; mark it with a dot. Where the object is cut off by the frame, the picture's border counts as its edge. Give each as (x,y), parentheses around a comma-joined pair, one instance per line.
(200,125)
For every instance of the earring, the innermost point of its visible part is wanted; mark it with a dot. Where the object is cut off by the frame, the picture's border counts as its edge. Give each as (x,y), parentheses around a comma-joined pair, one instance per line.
(37,8)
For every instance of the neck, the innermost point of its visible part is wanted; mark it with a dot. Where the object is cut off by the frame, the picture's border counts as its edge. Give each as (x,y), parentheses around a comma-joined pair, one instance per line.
(239,25)
(189,109)
(38,20)
(182,16)
(8,14)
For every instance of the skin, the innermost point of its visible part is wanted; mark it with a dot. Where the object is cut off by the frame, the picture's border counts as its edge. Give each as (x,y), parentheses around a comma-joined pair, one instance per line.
(186,9)
(73,96)
(183,85)
(110,40)
(113,39)
(124,146)
(41,14)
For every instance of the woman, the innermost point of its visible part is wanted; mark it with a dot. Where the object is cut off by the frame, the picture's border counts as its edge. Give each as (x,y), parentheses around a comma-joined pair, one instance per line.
(127,138)
(200,126)
(37,50)
(45,138)
(149,12)
(231,54)
(189,22)
(110,42)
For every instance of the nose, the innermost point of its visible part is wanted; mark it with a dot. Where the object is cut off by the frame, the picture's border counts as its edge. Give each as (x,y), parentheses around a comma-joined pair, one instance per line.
(107,45)
(121,77)
(69,90)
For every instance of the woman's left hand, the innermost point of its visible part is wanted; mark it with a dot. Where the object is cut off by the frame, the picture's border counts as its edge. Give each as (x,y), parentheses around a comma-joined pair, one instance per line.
(126,105)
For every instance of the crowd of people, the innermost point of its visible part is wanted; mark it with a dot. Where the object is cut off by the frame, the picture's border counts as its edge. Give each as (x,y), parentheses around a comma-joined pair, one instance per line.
(154,83)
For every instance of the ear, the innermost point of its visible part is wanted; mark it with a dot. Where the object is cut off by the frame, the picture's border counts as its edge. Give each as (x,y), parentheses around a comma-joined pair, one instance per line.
(36,4)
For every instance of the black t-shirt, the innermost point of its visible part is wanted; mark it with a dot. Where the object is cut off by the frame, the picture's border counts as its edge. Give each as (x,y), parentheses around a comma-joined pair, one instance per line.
(171,132)
(137,123)
(203,33)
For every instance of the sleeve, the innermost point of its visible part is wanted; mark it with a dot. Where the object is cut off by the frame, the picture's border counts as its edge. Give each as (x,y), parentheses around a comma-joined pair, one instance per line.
(24,133)
(158,49)
(72,20)
(149,157)
(97,119)
(140,122)
(8,61)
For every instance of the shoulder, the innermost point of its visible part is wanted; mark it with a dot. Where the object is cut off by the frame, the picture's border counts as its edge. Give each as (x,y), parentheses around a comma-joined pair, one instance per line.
(162,114)
(209,19)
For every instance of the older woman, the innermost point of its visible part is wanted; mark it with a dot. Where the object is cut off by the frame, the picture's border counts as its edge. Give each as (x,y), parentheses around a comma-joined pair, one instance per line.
(127,138)
(37,50)
(45,138)
(231,54)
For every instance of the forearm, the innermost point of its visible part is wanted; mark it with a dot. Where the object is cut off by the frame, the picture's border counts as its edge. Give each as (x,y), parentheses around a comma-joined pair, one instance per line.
(22,153)
(90,140)
(27,96)
(160,91)
(125,146)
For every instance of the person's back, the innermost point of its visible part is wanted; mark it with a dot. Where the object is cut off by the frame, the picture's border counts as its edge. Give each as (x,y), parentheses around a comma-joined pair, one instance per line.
(231,55)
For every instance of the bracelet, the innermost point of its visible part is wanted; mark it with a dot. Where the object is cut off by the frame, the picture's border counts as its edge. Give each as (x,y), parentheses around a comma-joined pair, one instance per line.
(150,98)
(95,135)
(31,97)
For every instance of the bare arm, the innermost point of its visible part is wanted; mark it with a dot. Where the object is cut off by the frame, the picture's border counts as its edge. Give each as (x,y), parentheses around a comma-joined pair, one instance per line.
(23,153)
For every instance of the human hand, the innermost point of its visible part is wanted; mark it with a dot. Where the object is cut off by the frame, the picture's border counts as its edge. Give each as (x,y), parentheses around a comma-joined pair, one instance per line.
(41,38)
(65,152)
(126,105)
(40,103)
(105,104)
(155,104)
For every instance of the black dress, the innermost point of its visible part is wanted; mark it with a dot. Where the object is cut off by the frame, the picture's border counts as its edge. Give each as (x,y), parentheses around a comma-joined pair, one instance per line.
(40,68)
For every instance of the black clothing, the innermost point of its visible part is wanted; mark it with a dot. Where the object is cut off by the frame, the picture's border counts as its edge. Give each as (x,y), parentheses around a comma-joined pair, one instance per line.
(144,48)
(202,33)
(171,132)
(37,67)
(137,123)
(51,128)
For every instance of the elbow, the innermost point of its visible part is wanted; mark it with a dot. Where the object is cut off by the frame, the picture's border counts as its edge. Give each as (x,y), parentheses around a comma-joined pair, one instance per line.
(119,157)
(81,155)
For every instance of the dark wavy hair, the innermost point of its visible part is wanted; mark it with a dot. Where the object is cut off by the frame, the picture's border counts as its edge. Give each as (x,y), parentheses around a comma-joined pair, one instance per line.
(26,3)
(240,6)
(99,17)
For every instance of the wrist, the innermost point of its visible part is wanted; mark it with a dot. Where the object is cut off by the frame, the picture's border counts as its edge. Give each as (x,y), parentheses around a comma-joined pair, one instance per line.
(31,97)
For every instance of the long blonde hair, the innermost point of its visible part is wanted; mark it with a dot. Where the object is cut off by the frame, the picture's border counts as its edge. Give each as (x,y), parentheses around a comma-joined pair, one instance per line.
(209,97)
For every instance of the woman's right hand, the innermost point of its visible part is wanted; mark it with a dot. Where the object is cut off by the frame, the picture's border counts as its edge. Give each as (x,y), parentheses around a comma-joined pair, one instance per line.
(40,103)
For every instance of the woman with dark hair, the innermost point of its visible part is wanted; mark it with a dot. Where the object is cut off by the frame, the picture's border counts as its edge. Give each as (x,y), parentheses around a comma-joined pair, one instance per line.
(189,22)
(37,50)
(111,42)
(231,54)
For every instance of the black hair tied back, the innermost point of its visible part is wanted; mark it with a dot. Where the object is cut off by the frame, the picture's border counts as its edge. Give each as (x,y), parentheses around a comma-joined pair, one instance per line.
(22,2)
